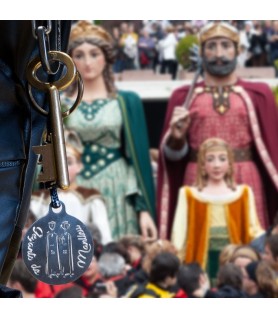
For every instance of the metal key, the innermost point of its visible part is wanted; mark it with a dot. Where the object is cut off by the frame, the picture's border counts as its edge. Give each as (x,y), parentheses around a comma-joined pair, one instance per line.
(53,154)
(48,173)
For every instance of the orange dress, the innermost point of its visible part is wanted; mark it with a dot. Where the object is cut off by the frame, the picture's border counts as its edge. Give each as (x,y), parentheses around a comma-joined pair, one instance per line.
(207,123)
(201,220)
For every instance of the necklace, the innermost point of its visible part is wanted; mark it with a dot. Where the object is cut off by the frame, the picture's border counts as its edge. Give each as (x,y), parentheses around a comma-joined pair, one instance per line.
(90,110)
(221,101)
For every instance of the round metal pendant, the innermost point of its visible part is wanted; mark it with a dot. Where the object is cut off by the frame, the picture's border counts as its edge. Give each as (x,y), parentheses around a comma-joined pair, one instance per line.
(58,248)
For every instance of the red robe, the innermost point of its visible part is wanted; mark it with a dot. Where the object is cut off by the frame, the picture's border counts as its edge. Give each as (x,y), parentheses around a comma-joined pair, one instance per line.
(267,115)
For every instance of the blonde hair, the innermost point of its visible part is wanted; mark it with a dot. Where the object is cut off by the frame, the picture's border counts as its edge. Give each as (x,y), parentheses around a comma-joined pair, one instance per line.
(86,32)
(133,240)
(214,144)
(266,280)
(245,251)
(226,254)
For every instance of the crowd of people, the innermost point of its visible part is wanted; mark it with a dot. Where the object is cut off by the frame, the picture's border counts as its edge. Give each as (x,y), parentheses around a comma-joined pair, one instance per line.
(205,227)
(133,268)
(152,44)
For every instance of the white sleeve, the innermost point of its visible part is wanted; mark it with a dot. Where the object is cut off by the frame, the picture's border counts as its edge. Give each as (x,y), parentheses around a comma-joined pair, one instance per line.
(38,207)
(174,155)
(100,219)
(179,229)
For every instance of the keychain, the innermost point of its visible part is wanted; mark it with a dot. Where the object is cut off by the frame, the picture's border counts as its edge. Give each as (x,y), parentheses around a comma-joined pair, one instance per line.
(57,248)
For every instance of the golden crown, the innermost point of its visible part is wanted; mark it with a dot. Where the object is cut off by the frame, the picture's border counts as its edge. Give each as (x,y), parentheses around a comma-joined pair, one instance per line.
(219,29)
(86,29)
(214,142)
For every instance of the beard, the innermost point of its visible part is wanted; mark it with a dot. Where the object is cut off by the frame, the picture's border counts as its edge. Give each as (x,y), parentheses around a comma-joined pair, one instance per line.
(226,68)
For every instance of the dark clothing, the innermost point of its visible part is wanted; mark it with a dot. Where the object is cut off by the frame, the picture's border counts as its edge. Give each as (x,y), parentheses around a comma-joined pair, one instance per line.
(21,127)
(123,283)
(274,46)
(118,66)
(89,288)
(226,292)
(257,49)
(136,137)
(257,295)
(136,269)
(6,292)
(169,67)
(140,277)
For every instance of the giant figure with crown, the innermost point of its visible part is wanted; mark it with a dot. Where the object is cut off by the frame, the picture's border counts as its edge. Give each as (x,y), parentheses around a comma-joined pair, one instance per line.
(224,106)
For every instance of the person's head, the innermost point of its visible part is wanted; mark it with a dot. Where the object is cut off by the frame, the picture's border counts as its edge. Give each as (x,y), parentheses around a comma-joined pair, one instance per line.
(241,262)
(131,27)
(258,28)
(244,255)
(91,48)
(266,278)
(116,32)
(118,248)
(271,250)
(268,23)
(274,228)
(259,277)
(74,149)
(219,48)
(215,163)
(124,27)
(134,245)
(153,249)
(230,275)
(111,265)
(191,278)
(52,225)
(170,29)
(180,28)
(164,270)
(145,33)
(248,26)
(21,279)
(65,225)
(226,254)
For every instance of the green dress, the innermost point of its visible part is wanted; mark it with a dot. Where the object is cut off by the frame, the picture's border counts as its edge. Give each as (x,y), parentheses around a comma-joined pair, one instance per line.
(111,160)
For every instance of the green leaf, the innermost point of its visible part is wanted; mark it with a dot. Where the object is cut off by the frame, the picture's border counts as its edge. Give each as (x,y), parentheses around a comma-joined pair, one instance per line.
(182,50)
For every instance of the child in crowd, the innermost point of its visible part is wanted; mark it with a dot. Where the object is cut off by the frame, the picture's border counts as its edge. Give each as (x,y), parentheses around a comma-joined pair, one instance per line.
(162,278)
